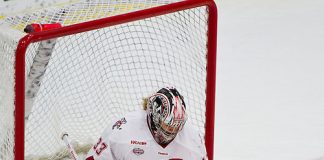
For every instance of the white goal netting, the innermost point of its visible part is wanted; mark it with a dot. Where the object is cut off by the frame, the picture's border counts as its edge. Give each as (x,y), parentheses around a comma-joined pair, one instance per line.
(93,77)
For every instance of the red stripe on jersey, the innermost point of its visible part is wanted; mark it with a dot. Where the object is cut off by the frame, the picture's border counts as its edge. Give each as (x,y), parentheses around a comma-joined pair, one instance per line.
(90,158)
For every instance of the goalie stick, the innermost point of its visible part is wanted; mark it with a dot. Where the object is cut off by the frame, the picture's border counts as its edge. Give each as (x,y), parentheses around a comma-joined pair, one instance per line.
(72,152)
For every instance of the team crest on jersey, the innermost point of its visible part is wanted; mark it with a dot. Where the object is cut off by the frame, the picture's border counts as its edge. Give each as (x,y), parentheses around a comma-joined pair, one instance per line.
(138,151)
(119,123)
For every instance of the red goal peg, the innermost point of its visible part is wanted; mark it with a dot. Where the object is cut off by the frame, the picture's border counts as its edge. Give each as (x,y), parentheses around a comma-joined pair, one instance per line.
(37,27)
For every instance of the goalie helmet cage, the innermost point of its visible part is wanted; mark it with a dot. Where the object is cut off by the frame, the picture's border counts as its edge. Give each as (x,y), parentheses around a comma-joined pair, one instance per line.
(103,66)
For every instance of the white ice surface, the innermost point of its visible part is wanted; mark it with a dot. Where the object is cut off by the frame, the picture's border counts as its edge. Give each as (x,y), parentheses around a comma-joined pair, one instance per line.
(270,91)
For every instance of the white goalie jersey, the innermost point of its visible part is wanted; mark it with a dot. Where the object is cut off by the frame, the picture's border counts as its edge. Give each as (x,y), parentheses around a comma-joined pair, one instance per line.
(130,139)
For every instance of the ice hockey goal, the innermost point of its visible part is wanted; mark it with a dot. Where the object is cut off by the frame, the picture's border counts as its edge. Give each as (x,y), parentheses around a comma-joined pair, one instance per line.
(107,57)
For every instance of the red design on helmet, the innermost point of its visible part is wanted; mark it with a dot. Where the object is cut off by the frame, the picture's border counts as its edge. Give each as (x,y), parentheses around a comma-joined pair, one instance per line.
(166,114)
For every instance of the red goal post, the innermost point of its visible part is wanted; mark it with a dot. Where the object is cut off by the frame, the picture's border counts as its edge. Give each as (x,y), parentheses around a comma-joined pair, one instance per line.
(20,61)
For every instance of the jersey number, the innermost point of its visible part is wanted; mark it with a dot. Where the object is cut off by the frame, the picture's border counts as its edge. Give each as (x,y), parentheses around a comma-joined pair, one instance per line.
(100,146)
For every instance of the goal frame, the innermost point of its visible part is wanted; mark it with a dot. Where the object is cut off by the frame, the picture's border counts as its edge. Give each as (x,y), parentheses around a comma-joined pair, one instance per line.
(24,42)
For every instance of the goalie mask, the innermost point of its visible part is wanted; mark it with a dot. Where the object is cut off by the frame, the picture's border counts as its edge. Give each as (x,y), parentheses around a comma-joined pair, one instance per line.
(166,115)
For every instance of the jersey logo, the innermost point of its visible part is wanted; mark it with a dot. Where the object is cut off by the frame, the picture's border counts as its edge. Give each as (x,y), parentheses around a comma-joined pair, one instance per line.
(163,153)
(138,151)
(138,142)
(119,123)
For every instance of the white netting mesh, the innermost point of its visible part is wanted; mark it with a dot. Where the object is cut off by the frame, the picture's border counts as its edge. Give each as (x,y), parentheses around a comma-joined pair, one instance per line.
(81,11)
(96,76)
(6,100)
(8,45)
